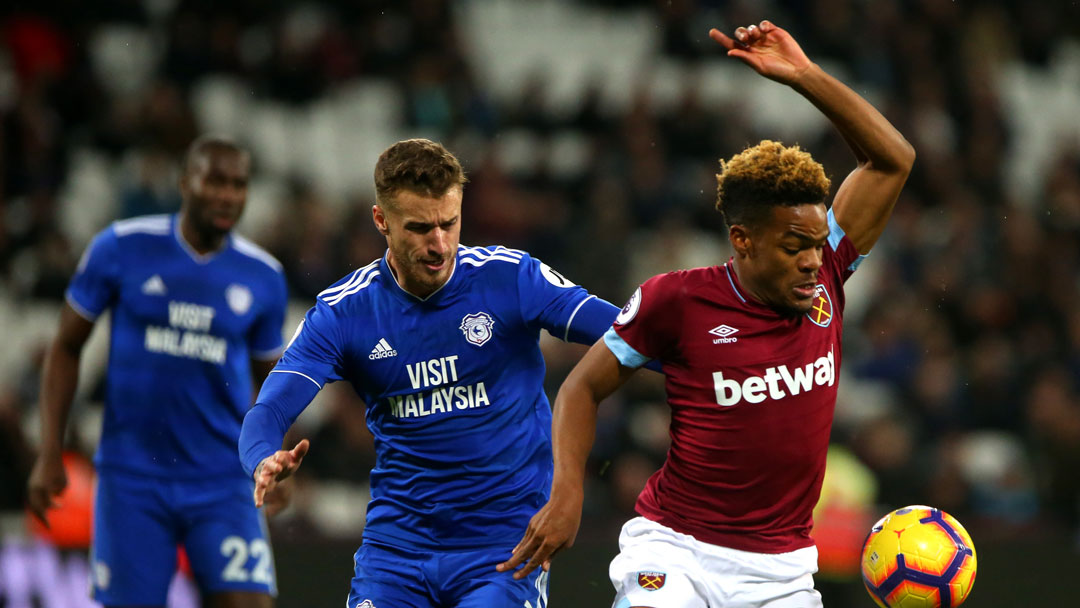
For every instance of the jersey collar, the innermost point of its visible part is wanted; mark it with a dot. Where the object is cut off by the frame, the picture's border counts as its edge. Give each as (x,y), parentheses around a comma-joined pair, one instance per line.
(384,267)
(199,258)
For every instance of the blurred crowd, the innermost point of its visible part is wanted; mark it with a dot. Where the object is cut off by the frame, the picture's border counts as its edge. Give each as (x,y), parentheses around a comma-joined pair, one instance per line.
(961,384)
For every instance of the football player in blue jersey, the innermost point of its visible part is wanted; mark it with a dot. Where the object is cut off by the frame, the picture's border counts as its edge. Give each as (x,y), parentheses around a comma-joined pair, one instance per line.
(442,343)
(196,324)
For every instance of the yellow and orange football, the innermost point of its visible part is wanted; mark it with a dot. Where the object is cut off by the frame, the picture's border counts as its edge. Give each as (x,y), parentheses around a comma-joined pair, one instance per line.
(918,557)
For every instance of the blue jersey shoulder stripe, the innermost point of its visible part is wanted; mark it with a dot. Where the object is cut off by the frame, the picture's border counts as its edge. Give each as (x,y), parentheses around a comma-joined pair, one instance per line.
(150,224)
(357,276)
(252,250)
(360,279)
(483,252)
(475,262)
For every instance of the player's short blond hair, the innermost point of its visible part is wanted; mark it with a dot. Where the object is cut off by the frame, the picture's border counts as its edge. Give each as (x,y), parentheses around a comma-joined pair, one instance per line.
(761,177)
(417,165)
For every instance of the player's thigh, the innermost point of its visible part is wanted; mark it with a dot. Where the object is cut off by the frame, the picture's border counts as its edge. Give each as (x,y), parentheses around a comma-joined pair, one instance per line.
(133,554)
(227,541)
(389,577)
(654,570)
(471,581)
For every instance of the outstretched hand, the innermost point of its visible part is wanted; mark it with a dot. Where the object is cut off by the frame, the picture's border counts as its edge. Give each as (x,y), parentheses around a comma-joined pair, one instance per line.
(553,528)
(276,467)
(766,48)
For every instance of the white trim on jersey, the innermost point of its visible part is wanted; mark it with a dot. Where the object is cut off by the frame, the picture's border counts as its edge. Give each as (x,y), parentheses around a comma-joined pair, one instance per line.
(82,312)
(481,256)
(354,285)
(355,276)
(570,321)
(252,250)
(149,224)
(288,371)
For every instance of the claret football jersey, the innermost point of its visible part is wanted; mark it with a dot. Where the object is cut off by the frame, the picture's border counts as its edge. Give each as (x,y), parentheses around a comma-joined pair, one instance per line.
(752,393)
(453,384)
(184,328)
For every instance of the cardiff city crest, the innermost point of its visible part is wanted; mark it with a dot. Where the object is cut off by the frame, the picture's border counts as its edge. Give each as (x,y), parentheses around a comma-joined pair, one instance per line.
(239,298)
(821,311)
(477,327)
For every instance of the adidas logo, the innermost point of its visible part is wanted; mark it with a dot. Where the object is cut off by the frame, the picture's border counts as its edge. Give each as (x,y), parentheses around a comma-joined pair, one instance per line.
(154,286)
(382,350)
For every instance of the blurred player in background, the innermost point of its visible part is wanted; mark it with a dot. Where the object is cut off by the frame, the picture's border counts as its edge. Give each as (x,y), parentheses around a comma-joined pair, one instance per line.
(442,343)
(196,320)
(750,350)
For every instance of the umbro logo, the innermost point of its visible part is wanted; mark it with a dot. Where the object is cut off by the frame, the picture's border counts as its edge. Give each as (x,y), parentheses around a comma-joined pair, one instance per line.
(382,350)
(723,334)
(154,286)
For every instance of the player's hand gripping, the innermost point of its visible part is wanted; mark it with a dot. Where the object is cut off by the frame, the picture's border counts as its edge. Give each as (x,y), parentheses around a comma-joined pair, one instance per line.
(47,480)
(277,467)
(770,50)
(553,528)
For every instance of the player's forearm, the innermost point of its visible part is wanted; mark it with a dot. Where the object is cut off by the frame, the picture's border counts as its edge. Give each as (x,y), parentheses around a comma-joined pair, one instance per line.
(574,431)
(282,398)
(59,380)
(872,137)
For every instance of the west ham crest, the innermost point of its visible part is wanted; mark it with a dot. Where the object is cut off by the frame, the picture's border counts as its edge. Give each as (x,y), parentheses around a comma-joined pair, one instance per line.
(821,311)
(239,298)
(651,581)
(477,327)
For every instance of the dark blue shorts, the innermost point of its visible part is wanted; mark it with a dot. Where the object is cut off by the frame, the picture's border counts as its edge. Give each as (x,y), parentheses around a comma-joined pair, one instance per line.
(391,577)
(140,521)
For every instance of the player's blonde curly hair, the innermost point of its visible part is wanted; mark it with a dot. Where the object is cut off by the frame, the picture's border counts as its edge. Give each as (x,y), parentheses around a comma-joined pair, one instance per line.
(766,175)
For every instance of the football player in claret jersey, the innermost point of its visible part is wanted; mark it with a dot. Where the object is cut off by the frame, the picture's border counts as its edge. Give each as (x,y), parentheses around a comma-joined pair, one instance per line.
(196,322)
(750,350)
(442,343)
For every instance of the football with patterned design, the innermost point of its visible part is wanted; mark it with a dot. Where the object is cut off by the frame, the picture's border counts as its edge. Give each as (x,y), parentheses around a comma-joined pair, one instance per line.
(918,557)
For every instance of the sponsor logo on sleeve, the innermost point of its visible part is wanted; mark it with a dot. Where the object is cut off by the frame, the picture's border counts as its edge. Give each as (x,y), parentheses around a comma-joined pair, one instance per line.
(629,311)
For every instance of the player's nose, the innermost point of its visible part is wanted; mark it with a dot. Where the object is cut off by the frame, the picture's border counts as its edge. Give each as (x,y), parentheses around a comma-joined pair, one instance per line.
(810,261)
(439,243)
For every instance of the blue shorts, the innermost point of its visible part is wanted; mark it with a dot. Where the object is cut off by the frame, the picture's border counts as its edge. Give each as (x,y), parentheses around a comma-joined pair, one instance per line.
(391,577)
(140,521)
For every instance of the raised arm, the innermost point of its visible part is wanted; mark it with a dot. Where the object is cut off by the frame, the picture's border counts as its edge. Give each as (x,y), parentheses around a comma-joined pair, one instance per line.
(865,199)
(58,383)
(555,526)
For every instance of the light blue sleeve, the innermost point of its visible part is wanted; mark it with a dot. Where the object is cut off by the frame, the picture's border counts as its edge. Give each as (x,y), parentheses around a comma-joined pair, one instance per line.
(627,356)
(836,234)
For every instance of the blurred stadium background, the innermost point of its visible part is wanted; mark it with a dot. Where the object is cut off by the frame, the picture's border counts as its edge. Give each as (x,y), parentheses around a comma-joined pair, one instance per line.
(590,131)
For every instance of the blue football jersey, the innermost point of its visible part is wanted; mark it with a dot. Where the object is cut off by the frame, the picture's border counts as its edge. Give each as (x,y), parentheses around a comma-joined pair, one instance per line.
(184,328)
(454,388)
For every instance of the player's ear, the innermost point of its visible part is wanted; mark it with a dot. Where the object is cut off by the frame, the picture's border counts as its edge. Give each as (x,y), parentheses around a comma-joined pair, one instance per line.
(740,239)
(379,218)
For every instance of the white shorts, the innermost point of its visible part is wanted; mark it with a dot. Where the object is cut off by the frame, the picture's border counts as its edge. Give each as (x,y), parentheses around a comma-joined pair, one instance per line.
(659,567)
